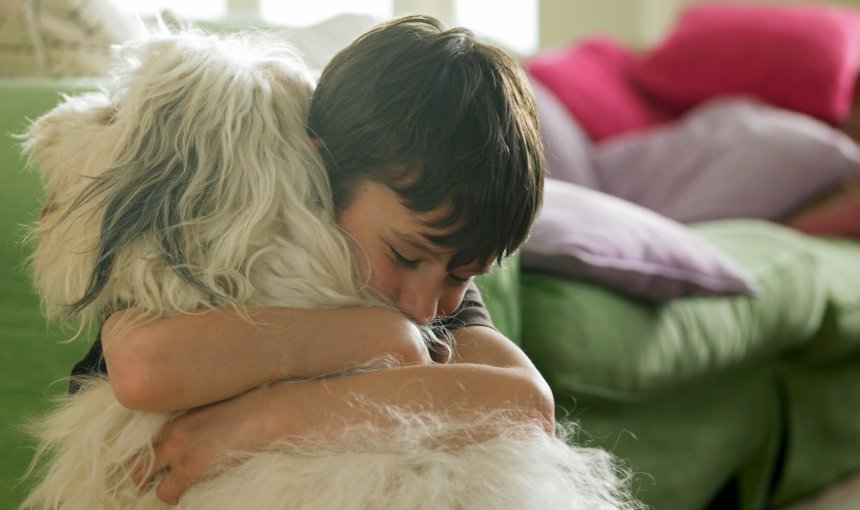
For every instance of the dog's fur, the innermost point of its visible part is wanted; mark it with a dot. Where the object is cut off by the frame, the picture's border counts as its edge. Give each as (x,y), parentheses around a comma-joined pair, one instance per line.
(190,182)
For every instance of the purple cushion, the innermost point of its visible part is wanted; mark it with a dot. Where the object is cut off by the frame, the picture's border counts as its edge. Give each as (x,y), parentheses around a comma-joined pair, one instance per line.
(587,234)
(566,147)
(733,158)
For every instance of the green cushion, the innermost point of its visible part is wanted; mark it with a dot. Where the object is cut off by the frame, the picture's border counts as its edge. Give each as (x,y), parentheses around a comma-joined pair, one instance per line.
(821,384)
(684,446)
(822,410)
(33,362)
(588,340)
(501,291)
(839,267)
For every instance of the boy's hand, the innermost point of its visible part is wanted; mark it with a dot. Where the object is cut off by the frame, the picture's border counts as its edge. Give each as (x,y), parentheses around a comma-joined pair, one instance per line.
(190,447)
(487,372)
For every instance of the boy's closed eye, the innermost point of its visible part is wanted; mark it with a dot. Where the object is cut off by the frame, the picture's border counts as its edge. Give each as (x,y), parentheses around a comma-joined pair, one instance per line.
(401,259)
(460,279)
(409,263)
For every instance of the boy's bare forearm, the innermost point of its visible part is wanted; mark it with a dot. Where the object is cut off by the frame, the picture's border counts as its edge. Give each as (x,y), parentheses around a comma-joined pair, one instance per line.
(191,360)
(193,442)
(489,373)
(459,391)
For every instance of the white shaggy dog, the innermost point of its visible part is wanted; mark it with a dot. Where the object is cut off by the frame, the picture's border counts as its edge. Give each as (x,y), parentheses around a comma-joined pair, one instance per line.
(190,182)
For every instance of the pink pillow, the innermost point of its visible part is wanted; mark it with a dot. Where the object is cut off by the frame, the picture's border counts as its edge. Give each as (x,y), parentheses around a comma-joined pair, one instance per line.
(803,58)
(592,79)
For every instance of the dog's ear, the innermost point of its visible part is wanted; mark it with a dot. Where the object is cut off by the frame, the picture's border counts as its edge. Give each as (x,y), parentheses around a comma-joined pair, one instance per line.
(69,144)
(209,130)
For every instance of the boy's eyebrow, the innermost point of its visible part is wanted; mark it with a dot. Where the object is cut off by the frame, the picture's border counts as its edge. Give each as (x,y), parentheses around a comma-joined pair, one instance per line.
(484,270)
(420,244)
(428,247)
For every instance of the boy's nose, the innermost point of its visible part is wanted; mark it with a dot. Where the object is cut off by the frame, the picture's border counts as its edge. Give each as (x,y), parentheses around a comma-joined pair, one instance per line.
(419,304)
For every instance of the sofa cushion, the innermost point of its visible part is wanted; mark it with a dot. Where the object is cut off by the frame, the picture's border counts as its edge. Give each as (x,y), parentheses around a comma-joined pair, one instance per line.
(803,58)
(501,292)
(591,78)
(583,233)
(839,262)
(566,147)
(589,340)
(683,446)
(821,406)
(728,158)
(839,270)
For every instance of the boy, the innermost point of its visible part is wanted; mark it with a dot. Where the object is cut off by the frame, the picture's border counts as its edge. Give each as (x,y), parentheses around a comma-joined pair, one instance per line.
(431,143)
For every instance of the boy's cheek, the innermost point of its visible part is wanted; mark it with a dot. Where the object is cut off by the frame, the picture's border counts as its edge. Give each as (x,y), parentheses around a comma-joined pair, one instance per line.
(374,274)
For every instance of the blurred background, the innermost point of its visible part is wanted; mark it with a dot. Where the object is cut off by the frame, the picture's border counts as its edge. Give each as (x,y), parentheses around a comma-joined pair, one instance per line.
(523,26)
(715,402)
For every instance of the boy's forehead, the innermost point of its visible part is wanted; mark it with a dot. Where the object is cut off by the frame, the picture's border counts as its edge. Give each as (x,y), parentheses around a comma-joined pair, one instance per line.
(421,230)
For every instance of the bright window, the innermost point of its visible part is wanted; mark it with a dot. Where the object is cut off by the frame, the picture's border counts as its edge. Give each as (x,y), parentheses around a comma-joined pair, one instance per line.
(511,24)
(189,9)
(308,12)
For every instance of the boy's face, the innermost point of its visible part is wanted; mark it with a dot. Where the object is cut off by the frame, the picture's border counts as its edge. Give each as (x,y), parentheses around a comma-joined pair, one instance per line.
(396,260)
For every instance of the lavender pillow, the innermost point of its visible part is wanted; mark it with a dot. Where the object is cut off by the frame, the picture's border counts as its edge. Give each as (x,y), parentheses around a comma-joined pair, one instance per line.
(566,147)
(731,158)
(587,234)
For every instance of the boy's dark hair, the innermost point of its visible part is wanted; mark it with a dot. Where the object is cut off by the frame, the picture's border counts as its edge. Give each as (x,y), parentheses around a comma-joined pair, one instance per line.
(445,121)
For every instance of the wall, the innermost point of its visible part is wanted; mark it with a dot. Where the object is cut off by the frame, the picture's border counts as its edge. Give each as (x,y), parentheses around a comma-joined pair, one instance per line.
(638,23)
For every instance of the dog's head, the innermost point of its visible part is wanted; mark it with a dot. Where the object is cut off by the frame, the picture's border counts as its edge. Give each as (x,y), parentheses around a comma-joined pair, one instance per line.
(190,181)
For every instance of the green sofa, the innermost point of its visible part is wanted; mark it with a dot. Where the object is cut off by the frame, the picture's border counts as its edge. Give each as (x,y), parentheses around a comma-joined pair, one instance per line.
(753,401)
(729,402)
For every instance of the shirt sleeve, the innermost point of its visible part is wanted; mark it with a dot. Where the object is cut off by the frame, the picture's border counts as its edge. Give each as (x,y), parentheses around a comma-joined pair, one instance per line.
(471,312)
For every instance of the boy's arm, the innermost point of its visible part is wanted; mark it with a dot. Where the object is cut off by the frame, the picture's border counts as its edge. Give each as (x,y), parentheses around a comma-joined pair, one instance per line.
(488,372)
(187,361)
